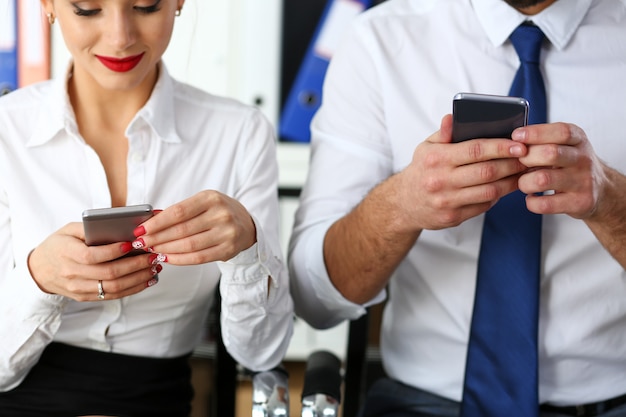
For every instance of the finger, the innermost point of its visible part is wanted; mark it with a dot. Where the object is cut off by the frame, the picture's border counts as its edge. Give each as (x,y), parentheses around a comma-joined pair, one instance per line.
(444,135)
(552,155)
(561,182)
(117,288)
(178,213)
(74,246)
(555,133)
(487,193)
(120,287)
(221,234)
(557,203)
(103,253)
(114,269)
(480,150)
(486,172)
(75,229)
(221,252)
(175,233)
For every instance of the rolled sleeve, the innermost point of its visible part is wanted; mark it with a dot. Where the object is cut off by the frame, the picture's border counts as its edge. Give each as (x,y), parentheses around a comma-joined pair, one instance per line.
(257,318)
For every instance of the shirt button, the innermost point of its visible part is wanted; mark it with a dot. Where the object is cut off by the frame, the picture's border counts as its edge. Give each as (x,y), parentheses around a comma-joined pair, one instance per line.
(103,346)
(136,157)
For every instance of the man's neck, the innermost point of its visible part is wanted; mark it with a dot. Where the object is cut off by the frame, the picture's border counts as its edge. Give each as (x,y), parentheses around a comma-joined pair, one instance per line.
(532,10)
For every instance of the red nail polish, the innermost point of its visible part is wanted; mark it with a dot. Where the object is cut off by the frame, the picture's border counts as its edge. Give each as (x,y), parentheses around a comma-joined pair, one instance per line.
(156,211)
(152,282)
(139,244)
(139,231)
(156,258)
(126,247)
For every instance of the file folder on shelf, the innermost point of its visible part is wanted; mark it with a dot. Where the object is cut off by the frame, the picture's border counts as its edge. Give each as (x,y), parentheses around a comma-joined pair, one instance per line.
(8,47)
(305,95)
(33,41)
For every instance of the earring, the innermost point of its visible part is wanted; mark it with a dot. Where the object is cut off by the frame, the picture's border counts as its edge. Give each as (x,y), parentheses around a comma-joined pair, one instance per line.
(51,18)
(177,12)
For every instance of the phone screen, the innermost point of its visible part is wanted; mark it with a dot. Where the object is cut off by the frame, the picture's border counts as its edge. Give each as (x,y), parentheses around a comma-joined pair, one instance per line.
(487,116)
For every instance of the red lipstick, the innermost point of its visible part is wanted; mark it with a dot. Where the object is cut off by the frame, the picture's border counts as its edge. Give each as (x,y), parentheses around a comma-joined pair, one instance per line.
(120,64)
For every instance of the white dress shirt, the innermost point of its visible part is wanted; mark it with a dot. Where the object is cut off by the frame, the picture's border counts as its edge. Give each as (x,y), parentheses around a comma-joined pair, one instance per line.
(386,90)
(181,142)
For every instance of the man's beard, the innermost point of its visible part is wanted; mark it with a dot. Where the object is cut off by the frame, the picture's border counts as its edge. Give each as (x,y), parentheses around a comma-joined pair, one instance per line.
(521,4)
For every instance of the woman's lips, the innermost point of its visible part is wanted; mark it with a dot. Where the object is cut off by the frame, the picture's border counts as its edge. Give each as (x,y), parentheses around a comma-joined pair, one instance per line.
(120,64)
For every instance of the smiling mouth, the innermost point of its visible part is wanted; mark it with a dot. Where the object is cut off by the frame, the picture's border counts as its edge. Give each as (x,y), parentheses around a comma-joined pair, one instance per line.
(120,64)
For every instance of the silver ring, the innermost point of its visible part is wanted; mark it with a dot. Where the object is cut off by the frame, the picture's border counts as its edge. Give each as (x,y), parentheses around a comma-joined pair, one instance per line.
(100,291)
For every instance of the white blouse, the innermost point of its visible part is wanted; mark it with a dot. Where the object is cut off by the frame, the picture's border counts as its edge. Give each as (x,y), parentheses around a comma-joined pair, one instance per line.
(182,141)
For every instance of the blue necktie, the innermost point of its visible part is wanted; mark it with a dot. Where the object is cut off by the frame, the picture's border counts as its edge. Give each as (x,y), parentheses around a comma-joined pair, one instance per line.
(501,375)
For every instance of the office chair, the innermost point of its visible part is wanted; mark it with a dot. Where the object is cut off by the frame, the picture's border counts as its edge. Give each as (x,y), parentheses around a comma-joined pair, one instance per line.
(323,381)
(355,381)
(324,375)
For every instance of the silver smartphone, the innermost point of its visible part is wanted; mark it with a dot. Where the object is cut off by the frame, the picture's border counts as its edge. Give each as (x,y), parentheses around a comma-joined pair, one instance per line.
(115,224)
(486,116)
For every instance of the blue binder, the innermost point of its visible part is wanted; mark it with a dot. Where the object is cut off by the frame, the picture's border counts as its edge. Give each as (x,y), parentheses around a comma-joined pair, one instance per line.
(8,47)
(305,95)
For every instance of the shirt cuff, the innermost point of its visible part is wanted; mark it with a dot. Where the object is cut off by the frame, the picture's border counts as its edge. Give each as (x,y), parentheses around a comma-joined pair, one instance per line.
(252,264)
(324,289)
(27,299)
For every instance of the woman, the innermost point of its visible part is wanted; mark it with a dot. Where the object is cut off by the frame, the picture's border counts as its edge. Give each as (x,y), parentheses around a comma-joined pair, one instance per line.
(90,331)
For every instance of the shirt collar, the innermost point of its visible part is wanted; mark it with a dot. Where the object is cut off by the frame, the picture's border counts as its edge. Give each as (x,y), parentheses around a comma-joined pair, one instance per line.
(558,22)
(159,110)
(58,115)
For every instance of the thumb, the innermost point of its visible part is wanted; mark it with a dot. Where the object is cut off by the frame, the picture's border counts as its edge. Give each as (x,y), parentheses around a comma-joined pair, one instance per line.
(445,131)
(444,134)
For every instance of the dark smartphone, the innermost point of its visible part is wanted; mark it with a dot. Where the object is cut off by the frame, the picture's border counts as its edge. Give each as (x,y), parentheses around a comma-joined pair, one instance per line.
(486,116)
(115,224)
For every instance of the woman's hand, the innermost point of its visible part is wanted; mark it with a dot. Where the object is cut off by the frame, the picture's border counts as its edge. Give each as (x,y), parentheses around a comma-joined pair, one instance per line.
(209,226)
(62,264)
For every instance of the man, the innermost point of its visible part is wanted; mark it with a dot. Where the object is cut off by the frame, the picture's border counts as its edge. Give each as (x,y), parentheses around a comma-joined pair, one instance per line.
(387,214)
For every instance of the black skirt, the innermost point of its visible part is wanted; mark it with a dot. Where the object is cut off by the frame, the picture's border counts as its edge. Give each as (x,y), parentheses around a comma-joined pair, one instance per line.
(71,381)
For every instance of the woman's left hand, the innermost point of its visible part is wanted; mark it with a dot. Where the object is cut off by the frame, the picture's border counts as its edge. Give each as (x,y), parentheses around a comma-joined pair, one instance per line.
(207,227)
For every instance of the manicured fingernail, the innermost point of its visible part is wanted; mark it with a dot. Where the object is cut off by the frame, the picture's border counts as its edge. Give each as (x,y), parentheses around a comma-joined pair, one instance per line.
(156,211)
(126,247)
(153,281)
(156,269)
(156,258)
(139,231)
(139,243)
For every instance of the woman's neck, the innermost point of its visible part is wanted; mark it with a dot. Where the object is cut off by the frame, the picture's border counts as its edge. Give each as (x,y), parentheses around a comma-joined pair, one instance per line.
(102,116)
(112,109)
